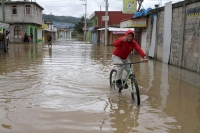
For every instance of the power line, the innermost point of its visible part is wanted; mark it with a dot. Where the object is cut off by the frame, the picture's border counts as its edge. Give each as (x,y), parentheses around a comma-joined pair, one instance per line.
(70,5)
(66,5)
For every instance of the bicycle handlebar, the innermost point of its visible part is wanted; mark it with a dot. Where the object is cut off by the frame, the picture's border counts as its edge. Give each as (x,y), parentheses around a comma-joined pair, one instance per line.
(121,64)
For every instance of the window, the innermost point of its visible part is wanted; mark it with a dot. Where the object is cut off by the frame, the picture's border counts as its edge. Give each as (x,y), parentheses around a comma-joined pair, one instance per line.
(17,31)
(96,23)
(28,10)
(14,10)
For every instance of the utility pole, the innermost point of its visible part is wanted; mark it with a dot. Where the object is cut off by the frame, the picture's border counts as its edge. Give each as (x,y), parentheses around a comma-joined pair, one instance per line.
(106,23)
(4,34)
(85,27)
(3,11)
(51,26)
(140,4)
(85,21)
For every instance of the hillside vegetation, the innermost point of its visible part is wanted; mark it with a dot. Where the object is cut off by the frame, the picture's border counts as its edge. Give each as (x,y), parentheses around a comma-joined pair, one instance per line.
(66,19)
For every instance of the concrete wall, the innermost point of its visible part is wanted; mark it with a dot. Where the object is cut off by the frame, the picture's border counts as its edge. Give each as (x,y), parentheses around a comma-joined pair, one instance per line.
(40,37)
(34,32)
(149,33)
(191,49)
(16,39)
(177,33)
(24,28)
(185,39)
(160,33)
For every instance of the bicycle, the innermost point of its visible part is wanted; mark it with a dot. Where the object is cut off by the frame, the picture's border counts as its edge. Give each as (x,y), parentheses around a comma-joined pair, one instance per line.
(130,79)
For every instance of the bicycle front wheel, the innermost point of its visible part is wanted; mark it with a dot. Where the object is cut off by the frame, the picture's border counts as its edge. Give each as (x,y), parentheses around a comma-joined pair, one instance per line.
(113,75)
(135,93)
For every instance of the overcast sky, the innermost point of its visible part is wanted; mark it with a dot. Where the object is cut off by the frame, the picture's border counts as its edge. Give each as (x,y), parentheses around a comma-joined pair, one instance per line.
(76,8)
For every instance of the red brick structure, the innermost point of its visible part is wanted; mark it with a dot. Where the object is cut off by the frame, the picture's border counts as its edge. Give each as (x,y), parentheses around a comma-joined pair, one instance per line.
(115,17)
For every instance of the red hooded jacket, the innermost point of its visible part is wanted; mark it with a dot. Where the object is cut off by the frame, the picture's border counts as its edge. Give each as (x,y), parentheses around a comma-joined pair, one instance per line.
(123,48)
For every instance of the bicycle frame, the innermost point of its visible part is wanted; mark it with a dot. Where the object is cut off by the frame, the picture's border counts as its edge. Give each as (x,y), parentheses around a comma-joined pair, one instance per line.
(127,77)
(128,74)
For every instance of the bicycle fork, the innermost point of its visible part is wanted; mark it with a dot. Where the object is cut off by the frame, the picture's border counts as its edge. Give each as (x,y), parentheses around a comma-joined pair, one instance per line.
(129,80)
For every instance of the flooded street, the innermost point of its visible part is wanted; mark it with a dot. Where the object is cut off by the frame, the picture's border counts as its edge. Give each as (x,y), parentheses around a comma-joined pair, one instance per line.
(65,89)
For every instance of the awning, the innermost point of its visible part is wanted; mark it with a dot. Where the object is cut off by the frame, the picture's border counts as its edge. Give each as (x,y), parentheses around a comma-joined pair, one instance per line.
(47,30)
(117,29)
(4,25)
(44,26)
(119,32)
(91,29)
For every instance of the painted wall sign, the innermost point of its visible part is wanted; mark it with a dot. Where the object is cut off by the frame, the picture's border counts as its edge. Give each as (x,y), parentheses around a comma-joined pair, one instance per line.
(134,23)
(192,12)
(129,6)
(105,18)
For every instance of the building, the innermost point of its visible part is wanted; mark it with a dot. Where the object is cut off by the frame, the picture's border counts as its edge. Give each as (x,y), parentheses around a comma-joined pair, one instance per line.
(97,36)
(23,17)
(64,29)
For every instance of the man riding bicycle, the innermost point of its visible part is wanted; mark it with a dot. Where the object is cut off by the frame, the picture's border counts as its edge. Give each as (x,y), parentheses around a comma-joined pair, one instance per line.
(123,47)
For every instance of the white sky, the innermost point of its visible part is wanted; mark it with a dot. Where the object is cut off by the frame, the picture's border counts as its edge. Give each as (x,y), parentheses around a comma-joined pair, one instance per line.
(76,8)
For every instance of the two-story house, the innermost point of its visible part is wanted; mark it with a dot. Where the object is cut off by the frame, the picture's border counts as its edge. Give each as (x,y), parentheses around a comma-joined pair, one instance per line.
(23,17)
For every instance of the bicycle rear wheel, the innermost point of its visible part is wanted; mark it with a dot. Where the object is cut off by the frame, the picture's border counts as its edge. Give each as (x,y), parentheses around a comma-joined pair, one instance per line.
(113,75)
(135,93)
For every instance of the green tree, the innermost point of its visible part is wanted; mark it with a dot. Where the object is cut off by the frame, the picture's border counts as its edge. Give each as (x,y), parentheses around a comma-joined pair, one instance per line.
(78,28)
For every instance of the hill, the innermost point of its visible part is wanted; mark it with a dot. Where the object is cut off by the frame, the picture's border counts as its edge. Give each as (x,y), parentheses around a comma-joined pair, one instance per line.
(66,19)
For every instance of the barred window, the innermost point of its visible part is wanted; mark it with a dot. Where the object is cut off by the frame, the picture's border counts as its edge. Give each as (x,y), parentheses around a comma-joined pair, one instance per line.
(17,31)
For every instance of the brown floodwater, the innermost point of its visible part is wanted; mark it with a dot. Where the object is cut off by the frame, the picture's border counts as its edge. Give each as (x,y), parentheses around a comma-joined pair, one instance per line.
(65,89)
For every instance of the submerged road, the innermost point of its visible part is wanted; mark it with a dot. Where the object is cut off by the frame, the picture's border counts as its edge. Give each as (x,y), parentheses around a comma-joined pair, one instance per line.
(65,89)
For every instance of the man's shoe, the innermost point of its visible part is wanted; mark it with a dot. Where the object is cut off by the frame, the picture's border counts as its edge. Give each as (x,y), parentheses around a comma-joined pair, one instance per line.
(119,83)
(126,86)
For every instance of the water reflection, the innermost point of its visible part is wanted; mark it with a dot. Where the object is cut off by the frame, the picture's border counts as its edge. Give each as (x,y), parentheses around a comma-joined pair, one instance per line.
(127,117)
(164,87)
(50,52)
(198,110)
(123,116)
